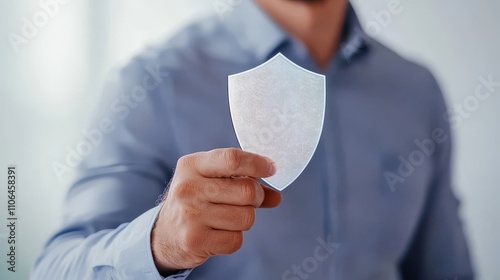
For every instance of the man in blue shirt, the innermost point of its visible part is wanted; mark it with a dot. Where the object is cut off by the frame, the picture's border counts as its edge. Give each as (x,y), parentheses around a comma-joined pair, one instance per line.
(375,202)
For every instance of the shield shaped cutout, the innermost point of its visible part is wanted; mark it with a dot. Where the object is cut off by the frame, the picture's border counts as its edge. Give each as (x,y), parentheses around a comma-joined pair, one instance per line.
(278,110)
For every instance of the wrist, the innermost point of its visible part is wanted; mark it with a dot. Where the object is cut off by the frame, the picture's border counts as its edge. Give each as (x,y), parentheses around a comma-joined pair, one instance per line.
(163,267)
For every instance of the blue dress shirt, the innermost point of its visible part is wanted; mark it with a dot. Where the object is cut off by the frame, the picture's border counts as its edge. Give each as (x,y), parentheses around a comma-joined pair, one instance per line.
(375,202)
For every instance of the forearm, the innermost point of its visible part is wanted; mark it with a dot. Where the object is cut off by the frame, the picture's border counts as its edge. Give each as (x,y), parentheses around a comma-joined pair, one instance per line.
(121,253)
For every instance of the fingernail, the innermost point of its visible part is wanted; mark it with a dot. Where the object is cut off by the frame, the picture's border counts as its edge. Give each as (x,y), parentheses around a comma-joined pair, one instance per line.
(272,168)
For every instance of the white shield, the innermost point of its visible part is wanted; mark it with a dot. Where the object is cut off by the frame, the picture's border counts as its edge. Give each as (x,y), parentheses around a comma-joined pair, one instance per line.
(278,109)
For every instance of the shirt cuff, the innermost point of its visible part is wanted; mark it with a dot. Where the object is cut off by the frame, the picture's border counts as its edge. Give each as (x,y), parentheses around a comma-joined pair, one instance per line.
(136,258)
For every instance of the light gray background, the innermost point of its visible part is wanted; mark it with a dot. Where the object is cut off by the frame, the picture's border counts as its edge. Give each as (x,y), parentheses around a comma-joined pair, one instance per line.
(47,92)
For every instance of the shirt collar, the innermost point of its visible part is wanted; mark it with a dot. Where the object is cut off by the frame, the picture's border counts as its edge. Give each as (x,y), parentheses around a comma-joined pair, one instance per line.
(354,39)
(260,35)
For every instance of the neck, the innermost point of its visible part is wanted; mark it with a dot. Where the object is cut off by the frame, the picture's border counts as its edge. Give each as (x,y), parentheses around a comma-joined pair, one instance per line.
(318,24)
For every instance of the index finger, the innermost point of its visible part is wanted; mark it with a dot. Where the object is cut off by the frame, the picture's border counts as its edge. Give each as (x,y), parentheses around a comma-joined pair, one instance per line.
(233,162)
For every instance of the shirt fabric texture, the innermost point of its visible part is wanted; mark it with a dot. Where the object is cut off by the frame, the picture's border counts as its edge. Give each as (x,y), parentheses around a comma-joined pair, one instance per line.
(341,219)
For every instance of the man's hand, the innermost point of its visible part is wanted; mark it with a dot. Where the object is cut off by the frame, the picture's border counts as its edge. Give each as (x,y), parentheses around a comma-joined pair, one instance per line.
(211,201)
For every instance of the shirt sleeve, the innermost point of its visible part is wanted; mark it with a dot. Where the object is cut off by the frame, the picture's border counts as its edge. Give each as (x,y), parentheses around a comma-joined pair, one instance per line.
(439,247)
(125,160)
(121,253)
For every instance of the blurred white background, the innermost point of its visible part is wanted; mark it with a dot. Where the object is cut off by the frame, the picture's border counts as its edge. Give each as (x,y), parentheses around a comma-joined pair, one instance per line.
(49,87)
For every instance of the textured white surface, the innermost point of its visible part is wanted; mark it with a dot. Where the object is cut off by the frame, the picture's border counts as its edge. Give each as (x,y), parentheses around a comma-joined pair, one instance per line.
(278,111)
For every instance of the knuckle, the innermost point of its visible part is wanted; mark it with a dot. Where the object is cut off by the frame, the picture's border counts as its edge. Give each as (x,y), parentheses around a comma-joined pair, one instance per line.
(190,214)
(247,218)
(185,189)
(191,240)
(249,191)
(233,158)
(185,161)
(236,242)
